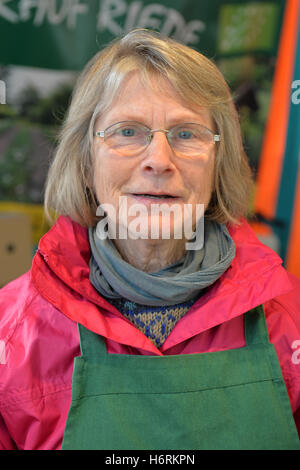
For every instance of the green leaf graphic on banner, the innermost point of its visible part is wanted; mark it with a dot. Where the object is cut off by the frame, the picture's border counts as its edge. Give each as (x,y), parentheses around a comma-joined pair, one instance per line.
(247,27)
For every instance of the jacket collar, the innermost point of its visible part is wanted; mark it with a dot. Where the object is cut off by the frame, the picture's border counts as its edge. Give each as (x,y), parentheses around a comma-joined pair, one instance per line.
(60,272)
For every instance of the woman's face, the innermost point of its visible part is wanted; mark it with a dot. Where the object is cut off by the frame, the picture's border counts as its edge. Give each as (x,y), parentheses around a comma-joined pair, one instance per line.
(157,169)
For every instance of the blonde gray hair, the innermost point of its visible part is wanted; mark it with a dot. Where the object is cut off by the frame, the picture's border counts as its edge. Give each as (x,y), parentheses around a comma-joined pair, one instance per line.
(69,186)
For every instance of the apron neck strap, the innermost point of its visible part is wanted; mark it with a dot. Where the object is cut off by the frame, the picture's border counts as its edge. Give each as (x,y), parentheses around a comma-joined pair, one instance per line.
(91,344)
(256,331)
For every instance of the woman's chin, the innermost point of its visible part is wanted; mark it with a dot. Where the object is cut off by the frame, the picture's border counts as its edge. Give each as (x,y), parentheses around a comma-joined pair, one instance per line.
(153,228)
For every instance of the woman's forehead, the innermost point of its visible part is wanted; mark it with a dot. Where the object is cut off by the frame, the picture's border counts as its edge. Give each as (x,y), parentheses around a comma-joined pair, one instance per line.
(135,85)
(137,98)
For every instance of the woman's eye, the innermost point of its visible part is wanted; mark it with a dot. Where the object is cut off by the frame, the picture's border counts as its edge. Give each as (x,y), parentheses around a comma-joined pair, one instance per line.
(127,132)
(185,134)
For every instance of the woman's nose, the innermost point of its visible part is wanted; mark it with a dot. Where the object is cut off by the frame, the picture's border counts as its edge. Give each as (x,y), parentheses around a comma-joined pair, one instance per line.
(158,156)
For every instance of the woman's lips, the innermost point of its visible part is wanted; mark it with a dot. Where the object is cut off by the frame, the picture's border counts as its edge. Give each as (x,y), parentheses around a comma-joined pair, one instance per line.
(148,199)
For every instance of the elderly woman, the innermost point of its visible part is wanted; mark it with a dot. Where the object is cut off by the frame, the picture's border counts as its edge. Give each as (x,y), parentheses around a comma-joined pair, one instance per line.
(130,332)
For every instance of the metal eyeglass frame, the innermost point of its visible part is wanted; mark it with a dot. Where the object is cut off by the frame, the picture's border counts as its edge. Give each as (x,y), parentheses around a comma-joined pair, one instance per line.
(216,137)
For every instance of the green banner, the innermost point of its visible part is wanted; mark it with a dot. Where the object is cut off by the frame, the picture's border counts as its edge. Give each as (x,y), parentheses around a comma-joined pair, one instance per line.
(65,34)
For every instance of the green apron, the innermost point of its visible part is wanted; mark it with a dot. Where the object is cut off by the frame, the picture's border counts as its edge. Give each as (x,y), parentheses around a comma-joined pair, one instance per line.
(234,399)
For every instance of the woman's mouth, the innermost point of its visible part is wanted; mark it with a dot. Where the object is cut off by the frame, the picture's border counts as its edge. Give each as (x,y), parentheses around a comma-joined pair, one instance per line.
(145,198)
(155,196)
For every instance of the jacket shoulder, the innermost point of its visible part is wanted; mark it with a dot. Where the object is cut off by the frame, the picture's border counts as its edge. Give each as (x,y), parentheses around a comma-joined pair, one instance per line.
(287,304)
(283,321)
(37,349)
(15,298)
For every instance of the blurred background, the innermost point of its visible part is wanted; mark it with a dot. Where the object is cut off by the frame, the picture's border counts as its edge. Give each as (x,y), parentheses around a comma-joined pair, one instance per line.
(46,43)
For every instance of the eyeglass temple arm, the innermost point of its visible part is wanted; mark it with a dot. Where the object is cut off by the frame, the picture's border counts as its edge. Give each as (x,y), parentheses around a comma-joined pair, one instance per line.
(99,133)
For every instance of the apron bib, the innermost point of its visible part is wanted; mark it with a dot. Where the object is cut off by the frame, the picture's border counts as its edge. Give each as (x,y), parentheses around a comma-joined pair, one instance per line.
(233,399)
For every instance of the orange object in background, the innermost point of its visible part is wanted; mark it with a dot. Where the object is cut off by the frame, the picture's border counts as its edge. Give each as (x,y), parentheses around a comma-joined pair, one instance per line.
(277,197)
(271,159)
(293,253)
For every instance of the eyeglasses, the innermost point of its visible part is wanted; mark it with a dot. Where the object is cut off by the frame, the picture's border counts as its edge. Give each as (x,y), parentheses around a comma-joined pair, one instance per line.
(128,138)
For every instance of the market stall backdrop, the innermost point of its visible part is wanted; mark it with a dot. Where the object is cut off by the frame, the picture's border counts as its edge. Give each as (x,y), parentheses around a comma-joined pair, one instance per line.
(255,44)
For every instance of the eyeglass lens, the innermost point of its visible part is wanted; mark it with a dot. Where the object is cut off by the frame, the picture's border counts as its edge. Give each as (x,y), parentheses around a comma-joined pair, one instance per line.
(129,138)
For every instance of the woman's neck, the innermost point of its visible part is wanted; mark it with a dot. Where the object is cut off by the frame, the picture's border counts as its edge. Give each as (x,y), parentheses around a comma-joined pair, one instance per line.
(150,255)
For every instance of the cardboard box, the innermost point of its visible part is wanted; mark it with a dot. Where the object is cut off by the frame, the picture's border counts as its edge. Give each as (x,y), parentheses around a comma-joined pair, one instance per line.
(35,212)
(15,246)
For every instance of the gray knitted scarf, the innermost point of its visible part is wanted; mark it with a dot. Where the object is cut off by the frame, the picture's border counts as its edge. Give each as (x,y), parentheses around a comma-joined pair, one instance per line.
(179,282)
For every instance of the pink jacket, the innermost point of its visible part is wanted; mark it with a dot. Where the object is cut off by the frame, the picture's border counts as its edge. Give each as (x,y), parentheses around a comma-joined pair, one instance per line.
(41,309)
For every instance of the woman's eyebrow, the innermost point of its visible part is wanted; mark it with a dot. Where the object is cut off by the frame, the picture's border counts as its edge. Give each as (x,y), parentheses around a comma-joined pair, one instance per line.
(142,119)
